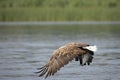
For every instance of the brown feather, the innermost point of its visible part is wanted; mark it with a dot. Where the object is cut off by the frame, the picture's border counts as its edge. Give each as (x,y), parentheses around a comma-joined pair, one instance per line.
(61,57)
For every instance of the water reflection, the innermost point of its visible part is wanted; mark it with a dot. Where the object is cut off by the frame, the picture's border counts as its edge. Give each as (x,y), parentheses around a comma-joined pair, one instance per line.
(24,48)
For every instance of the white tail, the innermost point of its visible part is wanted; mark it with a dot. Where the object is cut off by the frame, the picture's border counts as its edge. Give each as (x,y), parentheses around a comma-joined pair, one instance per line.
(91,48)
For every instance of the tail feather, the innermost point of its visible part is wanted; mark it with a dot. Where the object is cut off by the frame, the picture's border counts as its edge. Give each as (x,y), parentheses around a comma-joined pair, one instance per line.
(91,48)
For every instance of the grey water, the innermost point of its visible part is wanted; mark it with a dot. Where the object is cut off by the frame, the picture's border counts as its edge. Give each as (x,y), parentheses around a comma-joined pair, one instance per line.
(24,48)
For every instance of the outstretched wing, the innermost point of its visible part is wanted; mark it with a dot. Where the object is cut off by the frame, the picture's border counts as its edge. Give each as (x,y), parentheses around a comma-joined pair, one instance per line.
(60,57)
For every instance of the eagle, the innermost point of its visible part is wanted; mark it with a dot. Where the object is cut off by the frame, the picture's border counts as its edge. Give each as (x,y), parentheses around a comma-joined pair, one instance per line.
(79,51)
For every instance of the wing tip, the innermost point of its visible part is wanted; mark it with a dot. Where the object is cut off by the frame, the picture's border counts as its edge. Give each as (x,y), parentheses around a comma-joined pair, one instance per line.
(42,71)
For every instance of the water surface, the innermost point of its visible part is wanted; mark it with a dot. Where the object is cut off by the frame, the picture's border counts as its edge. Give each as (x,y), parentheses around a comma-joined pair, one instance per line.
(25,48)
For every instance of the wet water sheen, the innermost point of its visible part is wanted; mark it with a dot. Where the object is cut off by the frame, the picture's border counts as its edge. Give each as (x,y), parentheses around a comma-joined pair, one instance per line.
(25,48)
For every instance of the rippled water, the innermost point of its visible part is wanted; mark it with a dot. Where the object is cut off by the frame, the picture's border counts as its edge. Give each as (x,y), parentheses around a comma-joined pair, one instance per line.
(25,48)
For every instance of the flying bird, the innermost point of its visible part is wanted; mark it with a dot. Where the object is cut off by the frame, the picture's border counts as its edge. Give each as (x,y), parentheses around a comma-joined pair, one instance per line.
(81,52)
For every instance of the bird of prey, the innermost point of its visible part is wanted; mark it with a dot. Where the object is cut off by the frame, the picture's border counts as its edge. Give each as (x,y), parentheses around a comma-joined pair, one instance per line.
(81,52)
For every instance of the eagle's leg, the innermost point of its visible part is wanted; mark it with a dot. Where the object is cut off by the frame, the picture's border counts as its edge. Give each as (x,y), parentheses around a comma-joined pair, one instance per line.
(90,60)
(76,59)
(80,59)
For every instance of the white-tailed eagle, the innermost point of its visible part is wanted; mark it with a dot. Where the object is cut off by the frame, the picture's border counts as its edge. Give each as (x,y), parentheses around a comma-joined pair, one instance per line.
(79,51)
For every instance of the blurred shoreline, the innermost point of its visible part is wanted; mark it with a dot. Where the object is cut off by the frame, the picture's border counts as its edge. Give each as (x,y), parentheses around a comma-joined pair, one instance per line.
(8,23)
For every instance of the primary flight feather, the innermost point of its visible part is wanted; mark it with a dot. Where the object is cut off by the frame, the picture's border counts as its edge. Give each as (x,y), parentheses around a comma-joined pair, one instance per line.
(79,51)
